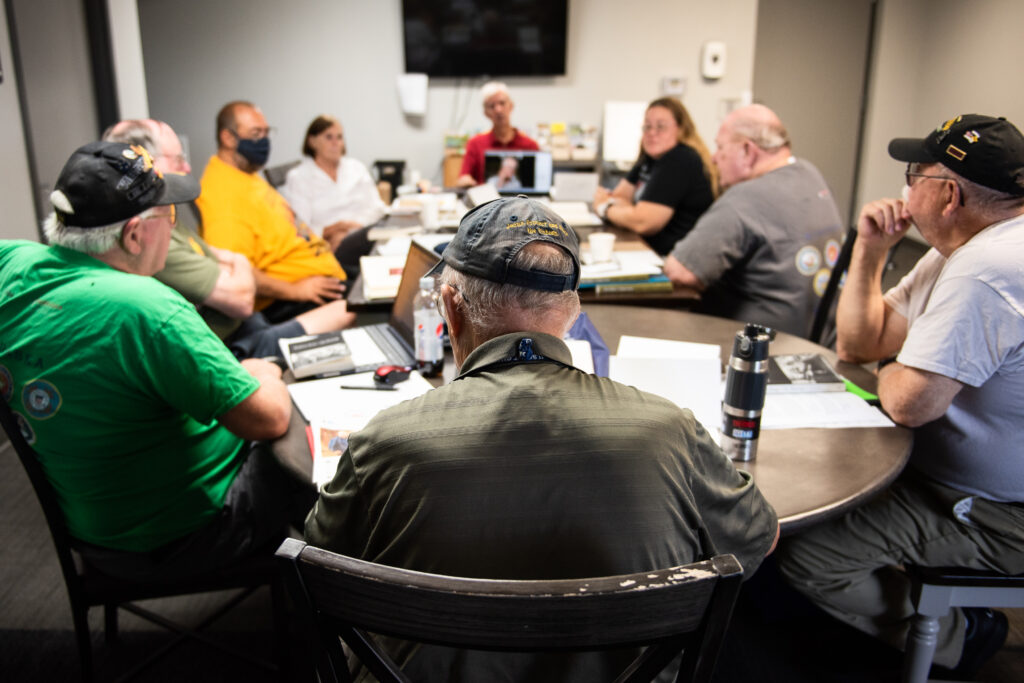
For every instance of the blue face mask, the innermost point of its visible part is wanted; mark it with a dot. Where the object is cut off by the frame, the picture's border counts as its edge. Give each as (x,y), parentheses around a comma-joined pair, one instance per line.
(256,152)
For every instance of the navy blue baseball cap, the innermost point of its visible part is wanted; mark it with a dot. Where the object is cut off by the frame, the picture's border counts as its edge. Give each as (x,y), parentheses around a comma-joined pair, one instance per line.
(492,234)
(107,182)
(984,149)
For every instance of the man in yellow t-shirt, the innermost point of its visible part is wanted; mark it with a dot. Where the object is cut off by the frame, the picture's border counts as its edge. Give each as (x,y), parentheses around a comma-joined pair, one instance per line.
(243,213)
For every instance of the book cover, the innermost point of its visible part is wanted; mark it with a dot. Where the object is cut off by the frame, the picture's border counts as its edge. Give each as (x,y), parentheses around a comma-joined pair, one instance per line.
(652,286)
(802,372)
(317,355)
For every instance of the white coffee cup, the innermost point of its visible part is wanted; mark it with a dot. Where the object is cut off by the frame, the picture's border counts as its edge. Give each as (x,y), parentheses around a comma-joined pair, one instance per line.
(602,244)
(430,212)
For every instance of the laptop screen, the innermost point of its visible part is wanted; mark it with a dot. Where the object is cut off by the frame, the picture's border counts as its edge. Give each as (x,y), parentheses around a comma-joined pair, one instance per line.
(518,171)
(419,261)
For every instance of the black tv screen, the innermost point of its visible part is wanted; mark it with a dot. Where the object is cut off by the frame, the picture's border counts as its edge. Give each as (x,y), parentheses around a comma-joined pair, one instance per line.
(452,38)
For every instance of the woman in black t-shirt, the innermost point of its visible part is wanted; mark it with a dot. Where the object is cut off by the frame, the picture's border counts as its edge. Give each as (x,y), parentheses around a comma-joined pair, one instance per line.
(672,183)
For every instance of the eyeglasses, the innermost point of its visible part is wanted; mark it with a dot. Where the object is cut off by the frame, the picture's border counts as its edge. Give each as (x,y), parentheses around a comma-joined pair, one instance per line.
(179,159)
(911,173)
(255,133)
(656,127)
(171,216)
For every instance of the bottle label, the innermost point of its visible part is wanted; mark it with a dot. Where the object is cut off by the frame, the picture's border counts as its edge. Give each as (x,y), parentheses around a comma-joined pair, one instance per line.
(429,335)
(744,428)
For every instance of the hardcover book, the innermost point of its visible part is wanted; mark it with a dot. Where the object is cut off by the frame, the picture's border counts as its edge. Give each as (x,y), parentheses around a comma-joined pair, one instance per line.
(319,354)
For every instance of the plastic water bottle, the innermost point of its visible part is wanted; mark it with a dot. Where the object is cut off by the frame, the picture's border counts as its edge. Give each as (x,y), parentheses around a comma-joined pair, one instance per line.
(429,332)
(746,382)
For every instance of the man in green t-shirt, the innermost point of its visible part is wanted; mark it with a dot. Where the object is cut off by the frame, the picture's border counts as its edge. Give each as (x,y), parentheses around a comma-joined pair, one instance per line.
(141,417)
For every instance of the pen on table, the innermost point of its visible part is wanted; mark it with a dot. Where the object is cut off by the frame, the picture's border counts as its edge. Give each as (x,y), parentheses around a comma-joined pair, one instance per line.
(382,387)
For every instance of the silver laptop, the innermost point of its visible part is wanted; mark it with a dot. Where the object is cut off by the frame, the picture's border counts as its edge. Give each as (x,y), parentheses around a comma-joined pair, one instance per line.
(391,343)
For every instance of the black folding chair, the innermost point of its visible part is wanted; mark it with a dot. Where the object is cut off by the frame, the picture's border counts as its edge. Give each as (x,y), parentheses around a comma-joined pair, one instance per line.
(89,588)
(681,609)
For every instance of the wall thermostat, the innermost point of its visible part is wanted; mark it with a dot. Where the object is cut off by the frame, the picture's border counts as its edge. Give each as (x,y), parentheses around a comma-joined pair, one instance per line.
(712,60)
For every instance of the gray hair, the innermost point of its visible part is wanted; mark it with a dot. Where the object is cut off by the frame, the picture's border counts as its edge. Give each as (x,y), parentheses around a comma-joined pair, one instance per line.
(140,132)
(984,198)
(492,88)
(98,240)
(485,303)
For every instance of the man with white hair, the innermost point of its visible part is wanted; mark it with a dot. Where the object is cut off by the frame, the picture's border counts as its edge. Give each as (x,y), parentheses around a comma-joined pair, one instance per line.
(950,342)
(525,467)
(498,107)
(151,433)
(219,282)
(764,251)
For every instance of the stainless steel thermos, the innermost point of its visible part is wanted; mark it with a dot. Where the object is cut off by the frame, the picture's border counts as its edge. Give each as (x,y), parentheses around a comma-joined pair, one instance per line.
(746,381)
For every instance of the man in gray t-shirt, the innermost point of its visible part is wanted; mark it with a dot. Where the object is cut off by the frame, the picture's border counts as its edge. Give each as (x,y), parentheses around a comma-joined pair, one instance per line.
(957,324)
(764,251)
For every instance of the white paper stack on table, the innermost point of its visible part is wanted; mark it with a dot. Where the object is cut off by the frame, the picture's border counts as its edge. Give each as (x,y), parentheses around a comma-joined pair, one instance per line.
(686,373)
(382,274)
(326,400)
(690,375)
(575,213)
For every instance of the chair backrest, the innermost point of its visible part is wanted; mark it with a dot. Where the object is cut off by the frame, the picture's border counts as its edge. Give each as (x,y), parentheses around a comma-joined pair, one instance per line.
(276,175)
(47,499)
(684,608)
(824,319)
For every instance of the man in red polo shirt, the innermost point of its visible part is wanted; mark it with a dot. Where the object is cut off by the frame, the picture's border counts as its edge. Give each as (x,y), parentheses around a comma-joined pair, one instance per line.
(498,108)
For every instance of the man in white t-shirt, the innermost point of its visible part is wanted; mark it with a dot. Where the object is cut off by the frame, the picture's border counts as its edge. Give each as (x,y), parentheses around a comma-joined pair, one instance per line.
(955,325)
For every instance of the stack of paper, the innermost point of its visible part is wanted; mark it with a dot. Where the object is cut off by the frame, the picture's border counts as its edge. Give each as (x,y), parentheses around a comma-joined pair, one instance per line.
(577,214)
(688,374)
(326,400)
(381,275)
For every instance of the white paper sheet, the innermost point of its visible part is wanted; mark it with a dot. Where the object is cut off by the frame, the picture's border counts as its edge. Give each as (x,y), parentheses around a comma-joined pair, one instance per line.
(824,409)
(648,347)
(582,354)
(693,383)
(324,400)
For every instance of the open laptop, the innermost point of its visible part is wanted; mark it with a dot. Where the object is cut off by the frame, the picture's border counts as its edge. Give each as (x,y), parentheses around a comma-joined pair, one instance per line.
(390,343)
(531,171)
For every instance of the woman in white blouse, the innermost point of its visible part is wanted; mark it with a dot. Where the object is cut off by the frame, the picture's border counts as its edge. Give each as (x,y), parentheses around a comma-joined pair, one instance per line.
(332,193)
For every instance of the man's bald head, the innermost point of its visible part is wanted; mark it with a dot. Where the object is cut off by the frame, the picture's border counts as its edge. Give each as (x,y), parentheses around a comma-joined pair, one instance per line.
(760,125)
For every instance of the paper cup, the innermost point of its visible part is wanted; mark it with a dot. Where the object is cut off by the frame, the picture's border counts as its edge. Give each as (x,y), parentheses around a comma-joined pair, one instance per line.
(601,246)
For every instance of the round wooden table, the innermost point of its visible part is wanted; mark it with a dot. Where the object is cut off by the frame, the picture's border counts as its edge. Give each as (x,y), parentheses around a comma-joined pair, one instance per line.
(808,475)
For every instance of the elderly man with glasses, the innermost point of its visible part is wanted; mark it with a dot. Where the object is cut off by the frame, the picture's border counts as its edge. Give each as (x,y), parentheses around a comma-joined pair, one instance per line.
(295,269)
(950,341)
(764,251)
(148,428)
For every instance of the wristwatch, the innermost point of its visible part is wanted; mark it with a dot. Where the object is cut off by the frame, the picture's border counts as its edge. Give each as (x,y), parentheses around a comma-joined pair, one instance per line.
(602,208)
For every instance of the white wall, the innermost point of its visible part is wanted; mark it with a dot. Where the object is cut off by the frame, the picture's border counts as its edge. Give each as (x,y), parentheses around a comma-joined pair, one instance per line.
(19,218)
(55,61)
(306,57)
(129,74)
(937,59)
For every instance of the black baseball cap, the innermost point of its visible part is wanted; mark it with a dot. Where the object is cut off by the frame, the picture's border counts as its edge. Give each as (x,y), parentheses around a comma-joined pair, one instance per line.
(490,236)
(107,182)
(985,150)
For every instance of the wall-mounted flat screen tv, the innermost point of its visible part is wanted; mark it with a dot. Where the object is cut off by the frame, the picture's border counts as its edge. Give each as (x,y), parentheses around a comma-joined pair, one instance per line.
(454,38)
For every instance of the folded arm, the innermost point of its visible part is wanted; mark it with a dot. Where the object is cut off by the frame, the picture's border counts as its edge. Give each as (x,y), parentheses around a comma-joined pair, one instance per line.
(318,289)
(914,397)
(265,414)
(235,290)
